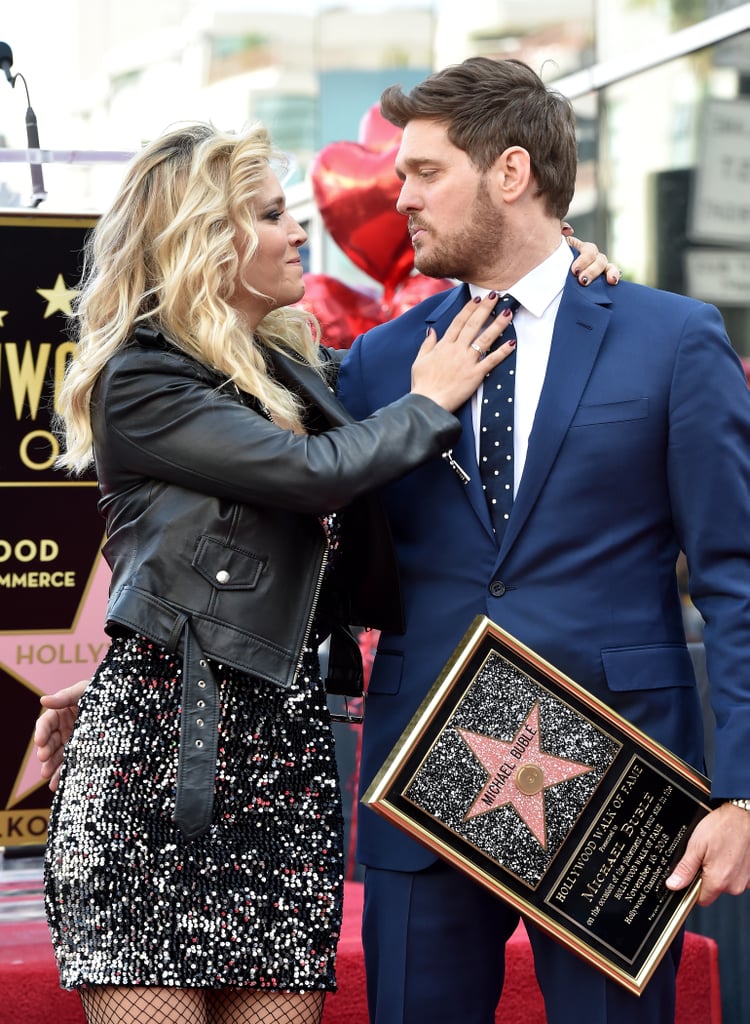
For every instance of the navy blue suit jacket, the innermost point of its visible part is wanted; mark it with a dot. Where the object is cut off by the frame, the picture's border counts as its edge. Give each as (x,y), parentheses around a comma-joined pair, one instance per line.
(640,447)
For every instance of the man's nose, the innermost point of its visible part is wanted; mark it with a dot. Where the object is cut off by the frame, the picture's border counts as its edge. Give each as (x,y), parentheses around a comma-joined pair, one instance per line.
(407,199)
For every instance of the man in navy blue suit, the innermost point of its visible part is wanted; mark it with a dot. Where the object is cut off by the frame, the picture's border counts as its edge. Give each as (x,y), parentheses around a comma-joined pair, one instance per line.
(631,442)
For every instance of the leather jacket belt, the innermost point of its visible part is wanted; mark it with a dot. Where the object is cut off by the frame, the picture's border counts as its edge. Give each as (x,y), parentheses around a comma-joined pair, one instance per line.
(199,741)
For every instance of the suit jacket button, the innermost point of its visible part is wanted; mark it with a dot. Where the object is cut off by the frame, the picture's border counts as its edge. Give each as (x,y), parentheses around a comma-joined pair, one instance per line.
(497,588)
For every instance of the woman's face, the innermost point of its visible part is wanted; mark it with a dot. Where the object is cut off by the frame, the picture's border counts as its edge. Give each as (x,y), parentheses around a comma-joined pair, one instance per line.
(276,268)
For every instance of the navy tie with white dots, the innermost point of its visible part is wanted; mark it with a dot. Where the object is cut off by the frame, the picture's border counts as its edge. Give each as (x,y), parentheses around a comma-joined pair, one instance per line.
(496,429)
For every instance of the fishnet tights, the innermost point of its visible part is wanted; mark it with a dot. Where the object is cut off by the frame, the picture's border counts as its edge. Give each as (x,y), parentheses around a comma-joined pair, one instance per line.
(119,1005)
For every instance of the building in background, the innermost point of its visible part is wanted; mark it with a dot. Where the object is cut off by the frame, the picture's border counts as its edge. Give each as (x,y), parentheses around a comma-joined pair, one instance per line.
(661,89)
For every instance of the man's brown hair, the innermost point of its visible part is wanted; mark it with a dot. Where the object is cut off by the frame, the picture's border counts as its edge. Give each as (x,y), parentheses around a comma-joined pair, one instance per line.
(488,105)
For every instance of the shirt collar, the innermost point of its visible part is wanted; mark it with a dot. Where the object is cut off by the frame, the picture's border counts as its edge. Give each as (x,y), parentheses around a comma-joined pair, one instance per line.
(541,286)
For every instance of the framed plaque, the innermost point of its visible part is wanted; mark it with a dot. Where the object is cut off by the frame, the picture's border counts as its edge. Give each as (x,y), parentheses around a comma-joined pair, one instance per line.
(518,776)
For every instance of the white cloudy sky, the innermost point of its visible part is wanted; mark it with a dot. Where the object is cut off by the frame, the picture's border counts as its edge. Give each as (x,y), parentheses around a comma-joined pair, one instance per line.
(38,35)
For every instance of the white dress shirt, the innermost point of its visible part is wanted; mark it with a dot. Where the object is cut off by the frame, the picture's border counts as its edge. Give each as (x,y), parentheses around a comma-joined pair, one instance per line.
(539,294)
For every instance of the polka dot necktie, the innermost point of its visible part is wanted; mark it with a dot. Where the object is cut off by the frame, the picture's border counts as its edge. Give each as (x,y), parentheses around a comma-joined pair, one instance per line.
(496,429)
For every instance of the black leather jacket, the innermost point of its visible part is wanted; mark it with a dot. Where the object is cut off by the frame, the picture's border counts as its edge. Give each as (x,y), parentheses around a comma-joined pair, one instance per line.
(213,512)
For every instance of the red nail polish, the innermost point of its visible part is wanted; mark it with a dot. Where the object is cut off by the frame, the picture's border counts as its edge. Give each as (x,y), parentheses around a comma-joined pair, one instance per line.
(507,311)
(512,342)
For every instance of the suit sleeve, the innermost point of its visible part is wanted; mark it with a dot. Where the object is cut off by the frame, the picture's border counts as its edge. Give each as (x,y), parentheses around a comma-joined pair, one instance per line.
(709,479)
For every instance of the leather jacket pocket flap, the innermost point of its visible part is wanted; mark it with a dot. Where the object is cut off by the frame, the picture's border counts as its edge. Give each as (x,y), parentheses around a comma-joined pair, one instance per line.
(654,667)
(225,567)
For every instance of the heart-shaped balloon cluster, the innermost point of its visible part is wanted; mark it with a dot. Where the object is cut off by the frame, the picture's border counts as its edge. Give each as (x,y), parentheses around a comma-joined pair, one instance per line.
(356,188)
(343,312)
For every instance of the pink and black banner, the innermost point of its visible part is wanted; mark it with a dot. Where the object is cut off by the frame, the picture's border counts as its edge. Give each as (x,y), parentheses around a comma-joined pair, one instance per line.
(53,581)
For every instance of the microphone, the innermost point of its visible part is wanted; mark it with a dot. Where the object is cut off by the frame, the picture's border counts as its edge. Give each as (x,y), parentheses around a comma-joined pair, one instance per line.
(38,192)
(6,62)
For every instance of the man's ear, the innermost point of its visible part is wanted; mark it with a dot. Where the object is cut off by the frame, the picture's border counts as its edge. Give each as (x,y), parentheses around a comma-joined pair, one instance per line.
(511,174)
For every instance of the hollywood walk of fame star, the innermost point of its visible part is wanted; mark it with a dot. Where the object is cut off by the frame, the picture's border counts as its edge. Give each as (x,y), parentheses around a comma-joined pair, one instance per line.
(80,649)
(519,773)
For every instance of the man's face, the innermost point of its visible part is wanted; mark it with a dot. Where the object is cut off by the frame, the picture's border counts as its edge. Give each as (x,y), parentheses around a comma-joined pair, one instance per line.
(454,225)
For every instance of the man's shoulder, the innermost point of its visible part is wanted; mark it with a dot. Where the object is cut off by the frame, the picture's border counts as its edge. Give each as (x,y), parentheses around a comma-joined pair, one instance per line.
(626,293)
(653,294)
(414,318)
(630,300)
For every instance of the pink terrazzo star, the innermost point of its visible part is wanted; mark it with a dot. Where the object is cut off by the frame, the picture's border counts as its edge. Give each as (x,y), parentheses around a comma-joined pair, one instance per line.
(518,773)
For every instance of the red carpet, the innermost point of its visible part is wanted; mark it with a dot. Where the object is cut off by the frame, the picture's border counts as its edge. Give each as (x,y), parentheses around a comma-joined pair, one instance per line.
(29,992)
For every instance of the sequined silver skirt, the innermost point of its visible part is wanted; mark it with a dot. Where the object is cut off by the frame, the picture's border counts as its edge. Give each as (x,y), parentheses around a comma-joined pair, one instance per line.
(257,900)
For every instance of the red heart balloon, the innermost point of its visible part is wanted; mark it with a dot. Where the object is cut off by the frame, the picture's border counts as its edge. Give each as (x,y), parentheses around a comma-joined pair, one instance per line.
(356,189)
(412,291)
(377,133)
(343,312)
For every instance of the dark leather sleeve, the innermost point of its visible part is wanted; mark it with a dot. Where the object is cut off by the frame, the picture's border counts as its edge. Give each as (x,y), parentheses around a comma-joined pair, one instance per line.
(158,415)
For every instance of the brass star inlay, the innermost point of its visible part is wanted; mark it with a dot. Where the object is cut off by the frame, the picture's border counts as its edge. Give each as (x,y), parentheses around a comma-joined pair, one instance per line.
(518,773)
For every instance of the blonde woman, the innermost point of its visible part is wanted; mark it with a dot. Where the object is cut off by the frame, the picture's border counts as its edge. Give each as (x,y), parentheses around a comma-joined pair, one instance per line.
(194,864)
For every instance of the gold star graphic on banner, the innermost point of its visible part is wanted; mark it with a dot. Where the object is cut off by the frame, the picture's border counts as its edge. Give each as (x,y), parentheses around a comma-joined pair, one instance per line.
(518,772)
(59,298)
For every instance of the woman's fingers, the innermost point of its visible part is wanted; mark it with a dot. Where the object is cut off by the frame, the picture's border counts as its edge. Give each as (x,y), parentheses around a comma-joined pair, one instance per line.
(494,329)
(498,354)
(476,319)
(451,368)
(591,263)
(613,273)
(476,328)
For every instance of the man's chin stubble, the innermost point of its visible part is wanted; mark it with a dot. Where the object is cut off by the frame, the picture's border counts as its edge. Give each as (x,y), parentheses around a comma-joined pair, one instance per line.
(432,267)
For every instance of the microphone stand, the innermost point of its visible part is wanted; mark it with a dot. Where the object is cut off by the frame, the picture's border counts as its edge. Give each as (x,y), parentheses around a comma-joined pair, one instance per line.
(38,191)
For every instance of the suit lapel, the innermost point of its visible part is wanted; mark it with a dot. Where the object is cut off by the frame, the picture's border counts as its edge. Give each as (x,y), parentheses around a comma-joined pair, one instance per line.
(579,329)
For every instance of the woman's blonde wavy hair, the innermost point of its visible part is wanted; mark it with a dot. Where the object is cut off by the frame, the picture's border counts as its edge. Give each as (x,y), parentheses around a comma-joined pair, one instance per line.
(165,254)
